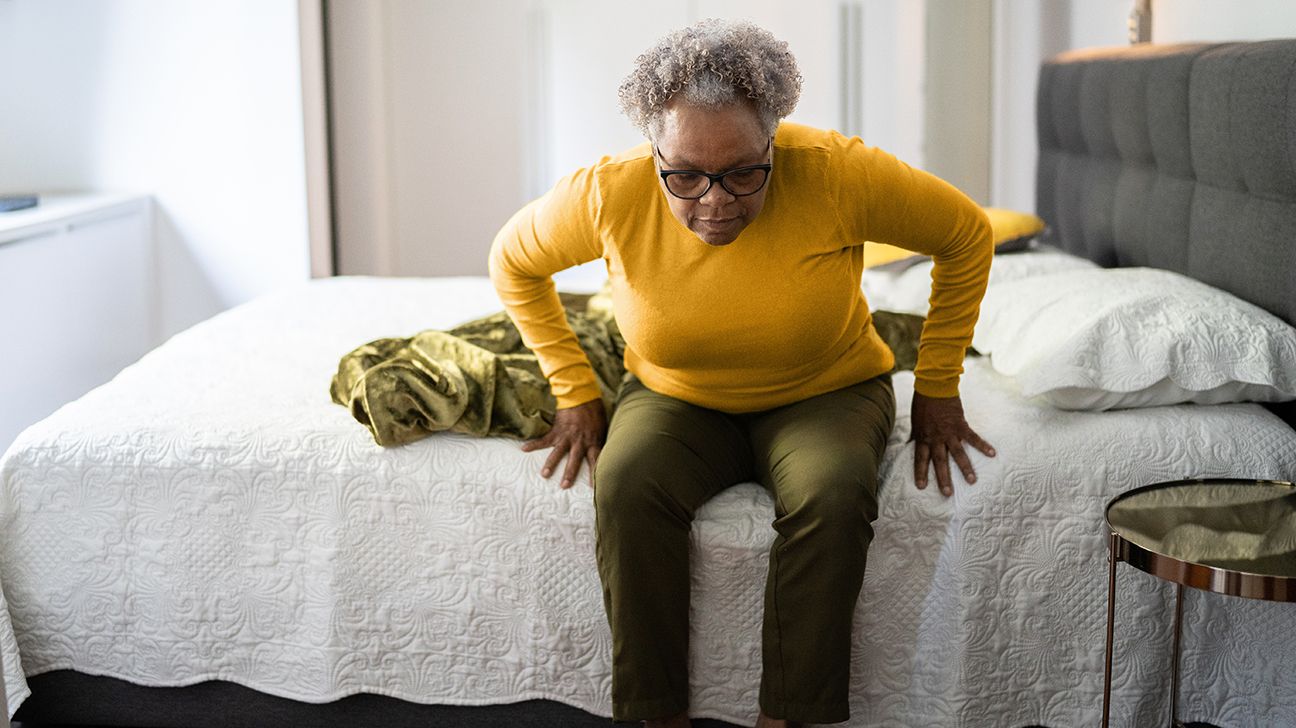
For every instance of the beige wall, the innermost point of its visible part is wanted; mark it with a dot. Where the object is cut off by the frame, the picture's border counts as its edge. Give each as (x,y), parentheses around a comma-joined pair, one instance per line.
(430,118)
(448,116)
(958,94)
(1222,20)
(1025,32)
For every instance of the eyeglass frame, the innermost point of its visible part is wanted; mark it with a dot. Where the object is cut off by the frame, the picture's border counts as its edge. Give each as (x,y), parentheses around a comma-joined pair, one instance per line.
(713,178)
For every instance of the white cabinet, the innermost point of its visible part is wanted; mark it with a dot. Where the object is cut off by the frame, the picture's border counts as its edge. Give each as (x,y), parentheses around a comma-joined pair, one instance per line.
(76,300)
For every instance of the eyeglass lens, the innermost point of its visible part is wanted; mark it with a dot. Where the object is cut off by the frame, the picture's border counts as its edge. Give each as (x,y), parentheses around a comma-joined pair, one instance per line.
(737,182)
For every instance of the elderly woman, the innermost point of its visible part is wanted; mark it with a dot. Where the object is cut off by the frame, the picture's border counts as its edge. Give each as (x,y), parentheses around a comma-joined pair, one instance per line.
(734,247)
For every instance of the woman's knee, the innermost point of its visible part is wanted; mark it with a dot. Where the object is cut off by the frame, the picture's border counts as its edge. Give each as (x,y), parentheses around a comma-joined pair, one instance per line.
(630,485)
(614,482)
(666,458)
(835,498)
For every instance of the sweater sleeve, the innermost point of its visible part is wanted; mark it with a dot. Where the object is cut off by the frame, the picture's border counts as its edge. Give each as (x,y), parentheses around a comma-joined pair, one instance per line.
(885,200)
(550,234)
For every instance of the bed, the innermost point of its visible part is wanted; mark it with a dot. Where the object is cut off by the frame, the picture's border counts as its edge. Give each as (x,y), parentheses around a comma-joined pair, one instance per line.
(208,540)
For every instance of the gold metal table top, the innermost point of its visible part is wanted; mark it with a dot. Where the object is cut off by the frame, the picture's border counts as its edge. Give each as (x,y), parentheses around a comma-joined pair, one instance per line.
(1229,536)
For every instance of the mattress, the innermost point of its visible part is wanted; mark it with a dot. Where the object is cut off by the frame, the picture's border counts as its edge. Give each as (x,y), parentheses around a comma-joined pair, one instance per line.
(210,514)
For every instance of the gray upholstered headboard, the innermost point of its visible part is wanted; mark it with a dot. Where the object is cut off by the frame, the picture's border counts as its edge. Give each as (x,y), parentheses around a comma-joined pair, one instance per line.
(1177,156)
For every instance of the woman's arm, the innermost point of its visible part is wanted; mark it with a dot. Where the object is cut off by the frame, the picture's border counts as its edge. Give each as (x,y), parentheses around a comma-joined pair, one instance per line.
(912,209)
(554,233)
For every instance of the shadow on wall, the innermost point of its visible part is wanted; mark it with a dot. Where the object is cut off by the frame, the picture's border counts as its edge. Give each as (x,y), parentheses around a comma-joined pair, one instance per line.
(1055,26)
(185,291)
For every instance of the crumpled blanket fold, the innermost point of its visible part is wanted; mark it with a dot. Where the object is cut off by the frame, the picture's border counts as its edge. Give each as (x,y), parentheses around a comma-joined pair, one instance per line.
(479,379)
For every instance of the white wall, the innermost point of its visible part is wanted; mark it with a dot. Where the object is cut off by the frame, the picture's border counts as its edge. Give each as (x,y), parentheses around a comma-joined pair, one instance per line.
(894,56)
(1101,22)
(358,109)
(195,102)
(1028,31)
(1176,21)
(51,55)
(584,65)
(433,131)
(957,122)
(448,116)
(1025,33)
(542,101)
(456,130)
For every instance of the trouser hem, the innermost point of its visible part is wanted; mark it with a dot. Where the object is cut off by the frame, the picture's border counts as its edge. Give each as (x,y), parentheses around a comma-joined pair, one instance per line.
(807,712)
(633,710)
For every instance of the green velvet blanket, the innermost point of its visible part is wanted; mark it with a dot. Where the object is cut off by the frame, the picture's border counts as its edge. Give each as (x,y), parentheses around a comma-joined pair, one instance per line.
(479,379)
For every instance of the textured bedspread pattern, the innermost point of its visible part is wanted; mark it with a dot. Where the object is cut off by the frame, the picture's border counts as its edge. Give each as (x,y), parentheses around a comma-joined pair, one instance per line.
(163,531)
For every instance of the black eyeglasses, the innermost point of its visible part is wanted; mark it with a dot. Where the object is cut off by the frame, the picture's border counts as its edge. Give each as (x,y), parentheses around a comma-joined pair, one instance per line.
(691,184)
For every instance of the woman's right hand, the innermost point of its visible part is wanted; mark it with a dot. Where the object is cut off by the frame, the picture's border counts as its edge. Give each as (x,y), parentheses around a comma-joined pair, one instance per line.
(578,434)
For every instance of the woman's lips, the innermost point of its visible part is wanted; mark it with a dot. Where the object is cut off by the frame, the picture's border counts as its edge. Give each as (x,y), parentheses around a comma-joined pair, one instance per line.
(716,222)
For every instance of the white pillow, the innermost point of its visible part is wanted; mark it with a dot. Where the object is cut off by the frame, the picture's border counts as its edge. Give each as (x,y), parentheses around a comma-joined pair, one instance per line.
(1134,337)
(907,291)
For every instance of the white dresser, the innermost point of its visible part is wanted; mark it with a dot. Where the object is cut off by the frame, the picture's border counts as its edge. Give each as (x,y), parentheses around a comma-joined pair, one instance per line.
(77,300)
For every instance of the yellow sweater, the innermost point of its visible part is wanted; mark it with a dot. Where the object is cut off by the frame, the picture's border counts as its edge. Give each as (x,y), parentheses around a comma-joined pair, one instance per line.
(775,316)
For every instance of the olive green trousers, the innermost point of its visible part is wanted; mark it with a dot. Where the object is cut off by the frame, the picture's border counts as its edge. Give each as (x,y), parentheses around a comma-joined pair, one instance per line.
(663,459)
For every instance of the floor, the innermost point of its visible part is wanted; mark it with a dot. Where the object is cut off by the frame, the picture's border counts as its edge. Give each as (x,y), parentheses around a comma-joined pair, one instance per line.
(699,723)
(21,724)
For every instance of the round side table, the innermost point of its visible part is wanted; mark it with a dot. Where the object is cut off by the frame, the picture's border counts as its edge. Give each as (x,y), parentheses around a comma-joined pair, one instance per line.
(1235,537)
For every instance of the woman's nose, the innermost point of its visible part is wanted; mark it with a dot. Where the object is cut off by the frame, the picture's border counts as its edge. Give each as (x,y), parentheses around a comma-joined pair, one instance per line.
(717,196)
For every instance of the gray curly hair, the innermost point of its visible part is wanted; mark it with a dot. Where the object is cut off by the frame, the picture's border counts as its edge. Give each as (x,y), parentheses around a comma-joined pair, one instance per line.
(713,63)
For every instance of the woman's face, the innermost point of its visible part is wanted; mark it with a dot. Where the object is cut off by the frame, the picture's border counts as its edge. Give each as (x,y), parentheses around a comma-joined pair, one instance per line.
(712,140)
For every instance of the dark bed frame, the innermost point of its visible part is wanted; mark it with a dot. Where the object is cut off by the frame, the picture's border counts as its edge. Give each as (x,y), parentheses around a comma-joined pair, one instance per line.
(1180,157)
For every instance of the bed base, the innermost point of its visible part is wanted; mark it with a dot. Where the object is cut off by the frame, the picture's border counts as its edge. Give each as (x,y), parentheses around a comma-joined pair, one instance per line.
(69,698)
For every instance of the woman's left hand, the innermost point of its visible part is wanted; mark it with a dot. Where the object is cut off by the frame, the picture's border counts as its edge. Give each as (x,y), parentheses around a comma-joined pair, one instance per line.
(939,431)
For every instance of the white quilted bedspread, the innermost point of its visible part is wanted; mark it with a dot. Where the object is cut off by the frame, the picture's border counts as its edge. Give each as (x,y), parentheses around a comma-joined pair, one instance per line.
(210,514)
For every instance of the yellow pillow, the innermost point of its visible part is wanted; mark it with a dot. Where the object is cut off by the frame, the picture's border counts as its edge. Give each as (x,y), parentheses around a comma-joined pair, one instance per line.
(1012,231)
(1011,226)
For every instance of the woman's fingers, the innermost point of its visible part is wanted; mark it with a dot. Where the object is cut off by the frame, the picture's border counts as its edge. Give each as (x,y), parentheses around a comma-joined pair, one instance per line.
(538,443)
(921,458)
(964,463)
(574,460)
(940,459)
(570,449)
(577,434)
(555,457)
(980,444)
(940,434)
(936,456)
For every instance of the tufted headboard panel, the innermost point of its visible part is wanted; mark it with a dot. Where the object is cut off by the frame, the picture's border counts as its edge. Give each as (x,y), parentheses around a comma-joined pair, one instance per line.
(1176,156)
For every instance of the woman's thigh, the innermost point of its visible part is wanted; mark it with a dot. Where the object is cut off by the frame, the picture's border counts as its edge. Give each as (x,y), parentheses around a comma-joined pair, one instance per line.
(832,441)
(661,445)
